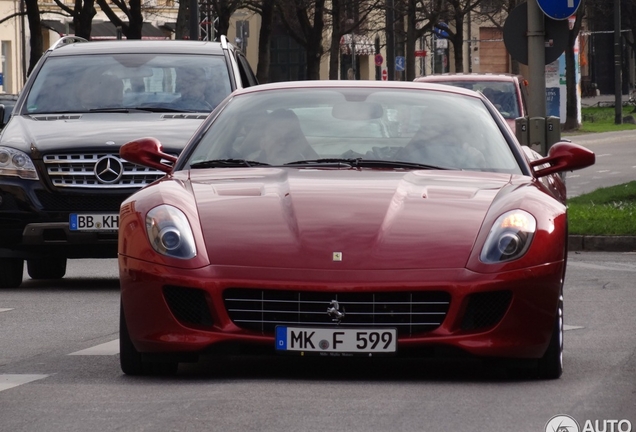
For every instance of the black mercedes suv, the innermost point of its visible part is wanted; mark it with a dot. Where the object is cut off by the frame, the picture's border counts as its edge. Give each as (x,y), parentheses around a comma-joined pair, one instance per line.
(61,178)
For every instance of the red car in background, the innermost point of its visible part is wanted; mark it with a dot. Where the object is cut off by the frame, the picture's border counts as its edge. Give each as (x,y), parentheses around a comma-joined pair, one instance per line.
(507,92)
(341,218)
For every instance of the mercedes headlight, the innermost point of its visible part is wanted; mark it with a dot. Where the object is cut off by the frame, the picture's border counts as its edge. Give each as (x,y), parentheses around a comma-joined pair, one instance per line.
(169,232)
(509,237)
(16,164)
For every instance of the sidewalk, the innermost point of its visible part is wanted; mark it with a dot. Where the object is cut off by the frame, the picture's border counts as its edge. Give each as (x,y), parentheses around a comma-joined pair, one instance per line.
(602,100)
(602,243)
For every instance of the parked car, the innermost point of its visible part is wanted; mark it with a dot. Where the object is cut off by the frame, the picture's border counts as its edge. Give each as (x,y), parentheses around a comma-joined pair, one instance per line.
(508,92)
(279,229)
(61,178)
(7,102)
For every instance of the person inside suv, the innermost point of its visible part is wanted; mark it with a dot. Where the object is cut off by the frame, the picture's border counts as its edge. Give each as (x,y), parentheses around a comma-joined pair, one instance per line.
(103,91)
(191,83)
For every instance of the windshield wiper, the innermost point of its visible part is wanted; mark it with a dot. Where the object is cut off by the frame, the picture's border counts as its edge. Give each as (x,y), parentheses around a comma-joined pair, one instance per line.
(366,163)
(166,110)
(107,110)
(227,163)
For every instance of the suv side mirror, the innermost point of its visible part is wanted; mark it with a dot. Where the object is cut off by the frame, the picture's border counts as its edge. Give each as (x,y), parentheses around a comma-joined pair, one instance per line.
(2,123)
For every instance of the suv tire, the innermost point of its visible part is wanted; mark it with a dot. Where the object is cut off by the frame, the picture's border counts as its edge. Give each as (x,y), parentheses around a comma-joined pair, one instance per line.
(11,270)
(47,268)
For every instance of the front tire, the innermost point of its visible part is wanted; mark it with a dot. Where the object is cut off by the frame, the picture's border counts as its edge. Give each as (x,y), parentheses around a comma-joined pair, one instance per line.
(47,268)
(131,360)
(11,270)
(550,366)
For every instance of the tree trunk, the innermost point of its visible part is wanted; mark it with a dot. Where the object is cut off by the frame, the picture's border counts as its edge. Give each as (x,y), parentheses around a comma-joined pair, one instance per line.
(182,29)
(313,63)
(264,39)
(83,18)
(571,118)
(458,43)
(135,20)
(314,42)
(224,24)
(411,40)
(37,48)
(334,49)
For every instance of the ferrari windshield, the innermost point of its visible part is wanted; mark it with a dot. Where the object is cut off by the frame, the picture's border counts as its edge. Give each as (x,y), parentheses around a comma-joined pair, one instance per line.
(417,126)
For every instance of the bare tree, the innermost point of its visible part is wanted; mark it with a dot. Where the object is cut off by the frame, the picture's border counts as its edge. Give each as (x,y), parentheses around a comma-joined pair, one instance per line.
(131,29)
(422,17)
(82,13)
(223,10)
(264,8)
(456,13)
(305,23)
(349,17)
(33,16)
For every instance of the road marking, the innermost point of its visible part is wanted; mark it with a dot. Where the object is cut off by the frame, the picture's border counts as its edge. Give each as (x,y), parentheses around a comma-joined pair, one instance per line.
(8,381)
(569,327)
(108,348)
(5,309)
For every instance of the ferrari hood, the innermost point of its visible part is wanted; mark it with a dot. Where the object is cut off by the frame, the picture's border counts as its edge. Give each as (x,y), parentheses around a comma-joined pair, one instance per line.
(43,133)
(342,219)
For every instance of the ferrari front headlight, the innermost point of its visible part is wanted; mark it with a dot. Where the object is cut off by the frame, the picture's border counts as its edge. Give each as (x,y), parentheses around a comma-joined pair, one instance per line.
(509,237)
(16,163)
(169,232)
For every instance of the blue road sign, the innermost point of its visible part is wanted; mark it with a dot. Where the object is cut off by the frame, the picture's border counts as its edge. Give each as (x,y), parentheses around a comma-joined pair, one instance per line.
(440,30)
(399,63)
(559,9)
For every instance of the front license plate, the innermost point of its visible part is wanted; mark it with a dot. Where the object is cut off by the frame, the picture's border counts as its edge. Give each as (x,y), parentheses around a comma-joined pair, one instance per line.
(336,340)
(94,222)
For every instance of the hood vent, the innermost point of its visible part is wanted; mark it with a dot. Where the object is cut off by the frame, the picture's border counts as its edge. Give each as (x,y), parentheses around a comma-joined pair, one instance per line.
(50,117)
(198,116)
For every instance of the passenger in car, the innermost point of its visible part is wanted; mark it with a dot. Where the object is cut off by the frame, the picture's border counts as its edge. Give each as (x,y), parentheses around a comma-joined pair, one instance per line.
(191,84)
(101,92)
(282,140)
(442,148)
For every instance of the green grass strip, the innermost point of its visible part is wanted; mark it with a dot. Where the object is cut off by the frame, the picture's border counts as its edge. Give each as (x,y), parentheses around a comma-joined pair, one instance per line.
(606,211)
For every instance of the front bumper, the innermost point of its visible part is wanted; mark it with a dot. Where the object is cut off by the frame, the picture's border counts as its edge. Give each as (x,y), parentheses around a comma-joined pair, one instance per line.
(34,222)
(522,331)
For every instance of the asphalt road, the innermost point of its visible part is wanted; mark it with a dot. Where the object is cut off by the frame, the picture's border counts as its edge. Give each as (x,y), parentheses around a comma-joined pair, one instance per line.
(59,371)
(59,365)
(615,161)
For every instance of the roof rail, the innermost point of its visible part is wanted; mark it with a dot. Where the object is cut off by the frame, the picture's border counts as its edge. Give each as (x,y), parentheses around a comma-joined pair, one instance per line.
(66,40)
(223,40)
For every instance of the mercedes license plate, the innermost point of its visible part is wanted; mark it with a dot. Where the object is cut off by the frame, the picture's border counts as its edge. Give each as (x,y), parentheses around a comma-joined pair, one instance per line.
(333,341)
(94,222)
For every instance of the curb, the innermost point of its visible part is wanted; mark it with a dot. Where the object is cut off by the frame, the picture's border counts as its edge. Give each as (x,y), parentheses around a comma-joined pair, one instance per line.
(602,243)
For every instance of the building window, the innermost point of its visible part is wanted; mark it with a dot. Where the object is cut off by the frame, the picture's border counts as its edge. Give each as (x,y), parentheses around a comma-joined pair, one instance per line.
(490,6)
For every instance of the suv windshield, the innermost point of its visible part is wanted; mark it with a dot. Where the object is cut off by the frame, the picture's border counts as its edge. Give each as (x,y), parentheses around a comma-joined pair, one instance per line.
(130,81)
(502,94)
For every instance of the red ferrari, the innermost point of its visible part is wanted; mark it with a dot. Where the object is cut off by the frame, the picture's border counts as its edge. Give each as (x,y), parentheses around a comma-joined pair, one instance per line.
(346,218)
